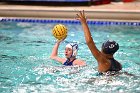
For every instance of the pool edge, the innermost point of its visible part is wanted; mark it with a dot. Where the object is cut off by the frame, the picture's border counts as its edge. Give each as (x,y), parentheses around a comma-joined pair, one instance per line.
(109,12)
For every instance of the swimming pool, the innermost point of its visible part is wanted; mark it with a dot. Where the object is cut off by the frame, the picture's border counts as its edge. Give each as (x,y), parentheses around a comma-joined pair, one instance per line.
(25,66)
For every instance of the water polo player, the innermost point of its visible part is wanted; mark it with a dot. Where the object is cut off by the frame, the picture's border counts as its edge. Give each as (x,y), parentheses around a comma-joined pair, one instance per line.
(70,53)
(105,59)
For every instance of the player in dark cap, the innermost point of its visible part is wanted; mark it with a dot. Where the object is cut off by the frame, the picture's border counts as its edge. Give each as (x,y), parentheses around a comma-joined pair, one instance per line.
(105,59)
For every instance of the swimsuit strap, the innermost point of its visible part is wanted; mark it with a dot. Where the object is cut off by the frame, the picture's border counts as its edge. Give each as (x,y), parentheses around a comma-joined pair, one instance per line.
(68,62)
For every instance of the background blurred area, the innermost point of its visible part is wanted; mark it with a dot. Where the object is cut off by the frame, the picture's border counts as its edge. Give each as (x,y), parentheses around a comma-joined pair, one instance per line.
(66,2)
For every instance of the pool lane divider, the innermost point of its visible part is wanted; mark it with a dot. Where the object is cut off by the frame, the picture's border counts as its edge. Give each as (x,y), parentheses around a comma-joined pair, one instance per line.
(70,21)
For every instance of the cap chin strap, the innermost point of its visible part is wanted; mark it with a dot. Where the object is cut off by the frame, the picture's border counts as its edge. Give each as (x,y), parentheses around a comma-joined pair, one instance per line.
(73,54)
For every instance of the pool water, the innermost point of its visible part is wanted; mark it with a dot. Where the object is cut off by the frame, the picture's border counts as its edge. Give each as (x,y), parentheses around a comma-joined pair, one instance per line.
(25,66)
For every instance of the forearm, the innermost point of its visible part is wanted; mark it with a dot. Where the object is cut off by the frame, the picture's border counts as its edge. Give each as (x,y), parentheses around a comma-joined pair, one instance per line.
(89,39)
(88,36)
(55,50)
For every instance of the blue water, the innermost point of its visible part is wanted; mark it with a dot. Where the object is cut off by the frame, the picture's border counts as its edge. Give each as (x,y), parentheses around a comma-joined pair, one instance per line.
(25,66)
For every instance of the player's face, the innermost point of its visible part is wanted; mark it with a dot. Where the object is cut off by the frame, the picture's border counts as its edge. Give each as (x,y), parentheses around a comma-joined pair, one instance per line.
(68,52)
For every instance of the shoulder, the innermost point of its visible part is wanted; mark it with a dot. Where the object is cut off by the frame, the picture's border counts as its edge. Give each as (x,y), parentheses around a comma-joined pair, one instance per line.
(79,62)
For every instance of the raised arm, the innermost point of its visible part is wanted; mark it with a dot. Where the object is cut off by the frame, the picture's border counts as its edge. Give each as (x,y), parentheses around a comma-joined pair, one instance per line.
(103,63)
(54,54)
(88,37)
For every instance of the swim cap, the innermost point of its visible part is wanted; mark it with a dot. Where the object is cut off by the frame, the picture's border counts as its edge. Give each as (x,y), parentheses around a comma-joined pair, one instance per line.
(74,48)
(110,47)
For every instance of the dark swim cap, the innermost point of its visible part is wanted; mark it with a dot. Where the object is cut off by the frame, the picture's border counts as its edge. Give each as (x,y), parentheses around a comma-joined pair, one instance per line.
(110,47)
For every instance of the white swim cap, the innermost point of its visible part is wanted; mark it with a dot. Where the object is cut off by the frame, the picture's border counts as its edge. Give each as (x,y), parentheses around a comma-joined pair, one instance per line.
(74,48)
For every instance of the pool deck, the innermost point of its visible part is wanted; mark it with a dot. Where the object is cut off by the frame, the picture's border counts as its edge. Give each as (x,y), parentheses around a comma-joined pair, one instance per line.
(113,11)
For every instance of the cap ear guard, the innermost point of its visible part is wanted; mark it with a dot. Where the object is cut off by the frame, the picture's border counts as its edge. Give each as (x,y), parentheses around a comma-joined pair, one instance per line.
(75,49)
(74,53)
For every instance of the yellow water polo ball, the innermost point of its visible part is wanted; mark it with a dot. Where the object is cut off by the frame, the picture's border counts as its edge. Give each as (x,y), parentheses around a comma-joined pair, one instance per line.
(59,31)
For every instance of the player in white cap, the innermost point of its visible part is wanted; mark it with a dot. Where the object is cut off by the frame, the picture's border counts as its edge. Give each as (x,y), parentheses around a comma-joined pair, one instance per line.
(70,54)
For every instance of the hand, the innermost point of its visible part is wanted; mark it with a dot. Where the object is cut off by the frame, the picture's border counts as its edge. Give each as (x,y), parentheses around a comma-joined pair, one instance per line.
(81,16)
(58,41)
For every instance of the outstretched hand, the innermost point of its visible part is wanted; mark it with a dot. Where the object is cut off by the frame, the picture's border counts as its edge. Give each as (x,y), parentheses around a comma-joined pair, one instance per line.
(81,16)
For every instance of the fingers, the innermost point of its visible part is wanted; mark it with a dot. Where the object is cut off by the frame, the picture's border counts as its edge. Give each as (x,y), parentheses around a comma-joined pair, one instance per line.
(77,17)
(80,15)
(80,12)
(83,13)
(65,37)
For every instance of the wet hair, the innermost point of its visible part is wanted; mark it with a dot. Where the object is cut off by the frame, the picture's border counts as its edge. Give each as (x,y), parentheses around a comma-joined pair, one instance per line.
(110,47)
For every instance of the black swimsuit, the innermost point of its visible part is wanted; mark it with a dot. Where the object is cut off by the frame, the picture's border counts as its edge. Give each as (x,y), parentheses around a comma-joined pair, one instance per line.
(115,65)
(114,68)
